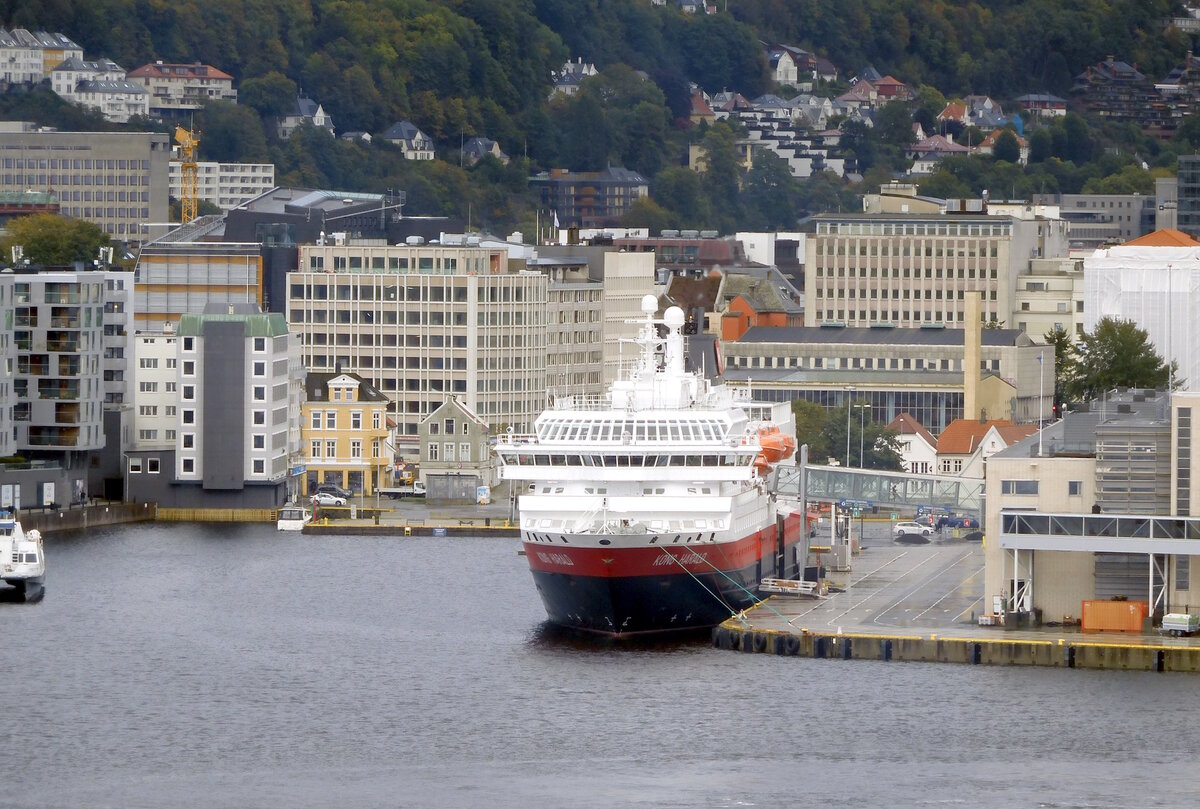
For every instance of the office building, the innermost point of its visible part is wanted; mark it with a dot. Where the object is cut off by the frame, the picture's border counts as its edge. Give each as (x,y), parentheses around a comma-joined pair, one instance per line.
(118,180)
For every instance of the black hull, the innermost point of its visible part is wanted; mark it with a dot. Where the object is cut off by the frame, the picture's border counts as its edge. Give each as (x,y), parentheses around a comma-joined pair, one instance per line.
(646,604)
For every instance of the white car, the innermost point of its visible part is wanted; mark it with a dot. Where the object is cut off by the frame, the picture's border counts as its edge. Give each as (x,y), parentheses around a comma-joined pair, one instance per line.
(327,499)
(903,528)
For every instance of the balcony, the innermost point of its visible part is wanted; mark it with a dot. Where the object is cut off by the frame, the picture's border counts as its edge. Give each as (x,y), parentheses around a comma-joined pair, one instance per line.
(54,389)
(66,413)
(53,436)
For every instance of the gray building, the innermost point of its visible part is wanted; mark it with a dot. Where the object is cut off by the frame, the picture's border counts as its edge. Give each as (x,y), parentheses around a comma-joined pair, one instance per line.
(117,180)
(240,382)
(1188,191)
(1099,219)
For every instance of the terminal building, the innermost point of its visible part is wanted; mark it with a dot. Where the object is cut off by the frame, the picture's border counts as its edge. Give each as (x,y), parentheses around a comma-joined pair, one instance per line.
(1097,506)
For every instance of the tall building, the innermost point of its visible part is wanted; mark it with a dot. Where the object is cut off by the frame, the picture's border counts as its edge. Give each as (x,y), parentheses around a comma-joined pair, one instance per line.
(8,367)
(422,323)
(240,384)
(913,270)
(589,199)
(628,277)
(118,180)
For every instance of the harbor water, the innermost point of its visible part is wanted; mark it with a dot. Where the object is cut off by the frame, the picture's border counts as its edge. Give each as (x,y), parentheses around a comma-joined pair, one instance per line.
(221,666)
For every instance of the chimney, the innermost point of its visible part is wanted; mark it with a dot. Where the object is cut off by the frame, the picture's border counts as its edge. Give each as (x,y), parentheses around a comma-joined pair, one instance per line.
(972,339)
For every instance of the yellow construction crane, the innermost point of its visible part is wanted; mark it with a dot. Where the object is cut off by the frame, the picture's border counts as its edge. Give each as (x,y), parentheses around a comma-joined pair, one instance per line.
(189,197)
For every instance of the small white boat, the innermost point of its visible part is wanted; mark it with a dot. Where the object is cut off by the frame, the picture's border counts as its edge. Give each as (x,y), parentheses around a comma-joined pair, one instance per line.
(293,518)
(22,561)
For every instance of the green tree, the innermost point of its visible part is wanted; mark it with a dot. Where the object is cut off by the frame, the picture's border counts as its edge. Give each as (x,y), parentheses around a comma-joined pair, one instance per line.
(810,429)
(1040,145)
(1007,147)
(54,240)
(231,133)
(271,96)
(1116,354)
(1064,363)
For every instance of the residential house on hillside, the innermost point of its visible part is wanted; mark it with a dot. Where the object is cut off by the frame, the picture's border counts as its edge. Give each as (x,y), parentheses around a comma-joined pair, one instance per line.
(918,447)
(928,153)
(179,89)
(570,75)
(701,109)
(100,85)
(413,143)
(988,145)
(305,111)
(475,149)
(889,88)
(1044,105)
(27,57)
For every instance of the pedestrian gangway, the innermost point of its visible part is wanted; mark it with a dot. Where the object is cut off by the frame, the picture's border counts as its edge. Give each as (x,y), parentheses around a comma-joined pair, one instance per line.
(869,488)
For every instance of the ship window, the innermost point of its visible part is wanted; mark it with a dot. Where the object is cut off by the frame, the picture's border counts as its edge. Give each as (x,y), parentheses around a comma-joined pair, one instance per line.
(610,460)
(706,490)
(676,539)
(558,490)
(542,460)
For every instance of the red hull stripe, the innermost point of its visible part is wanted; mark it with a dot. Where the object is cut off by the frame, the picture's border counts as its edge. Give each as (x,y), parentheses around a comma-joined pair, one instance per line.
(662,559)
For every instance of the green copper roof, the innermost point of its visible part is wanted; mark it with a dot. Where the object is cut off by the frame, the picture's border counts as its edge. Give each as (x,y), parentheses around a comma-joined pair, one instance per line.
(271,324)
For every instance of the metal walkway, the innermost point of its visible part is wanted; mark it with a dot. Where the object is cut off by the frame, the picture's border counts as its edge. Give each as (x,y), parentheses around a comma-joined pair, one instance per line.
(1160,538)
(897,491)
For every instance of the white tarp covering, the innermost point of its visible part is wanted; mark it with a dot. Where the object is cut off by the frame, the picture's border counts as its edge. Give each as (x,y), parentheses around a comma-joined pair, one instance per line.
(1158,288)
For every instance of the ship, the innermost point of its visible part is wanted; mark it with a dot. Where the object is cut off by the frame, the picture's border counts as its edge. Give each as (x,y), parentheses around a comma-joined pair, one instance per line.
(22,560)
(649,509)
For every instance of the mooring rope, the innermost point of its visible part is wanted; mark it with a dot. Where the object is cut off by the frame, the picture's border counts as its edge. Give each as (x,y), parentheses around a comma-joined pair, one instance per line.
(741,616)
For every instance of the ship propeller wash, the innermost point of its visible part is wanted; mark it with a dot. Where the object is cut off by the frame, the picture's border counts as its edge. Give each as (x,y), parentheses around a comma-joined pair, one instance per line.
(649,509)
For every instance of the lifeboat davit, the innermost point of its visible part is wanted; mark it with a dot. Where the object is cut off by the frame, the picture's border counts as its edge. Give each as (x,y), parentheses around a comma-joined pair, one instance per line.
(776,446)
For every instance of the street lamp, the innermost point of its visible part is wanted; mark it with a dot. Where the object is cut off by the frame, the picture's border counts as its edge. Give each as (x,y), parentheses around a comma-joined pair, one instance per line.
(862,427)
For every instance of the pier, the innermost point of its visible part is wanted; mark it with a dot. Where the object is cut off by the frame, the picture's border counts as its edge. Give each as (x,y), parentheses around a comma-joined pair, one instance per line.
(921,603)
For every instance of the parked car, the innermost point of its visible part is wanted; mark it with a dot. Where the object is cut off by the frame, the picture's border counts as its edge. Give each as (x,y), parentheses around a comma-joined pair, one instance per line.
(336,491)
(962,521)
(327,499)
(902,528)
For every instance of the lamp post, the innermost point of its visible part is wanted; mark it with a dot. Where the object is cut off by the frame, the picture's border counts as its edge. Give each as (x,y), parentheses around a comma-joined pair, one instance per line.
(862,427)
(849,391)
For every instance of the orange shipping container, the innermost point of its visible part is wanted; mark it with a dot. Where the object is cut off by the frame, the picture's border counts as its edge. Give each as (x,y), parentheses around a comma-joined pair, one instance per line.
(1113,616)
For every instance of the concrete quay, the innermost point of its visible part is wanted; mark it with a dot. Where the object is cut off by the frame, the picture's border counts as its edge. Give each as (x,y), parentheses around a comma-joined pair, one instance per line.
(416,518)
(920,603)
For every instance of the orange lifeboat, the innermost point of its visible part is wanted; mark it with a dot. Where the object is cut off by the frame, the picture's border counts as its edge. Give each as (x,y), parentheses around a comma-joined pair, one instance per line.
(776,445)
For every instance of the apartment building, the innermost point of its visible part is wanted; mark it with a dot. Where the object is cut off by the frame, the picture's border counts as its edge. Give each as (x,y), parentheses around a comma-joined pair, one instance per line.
(156,397)
(225,185)
(240,382)
(117,180)
(345,433)
(913,270)
(181,89)
(8,368)
(58,327)
(118,344)
(425,322)
(29,56)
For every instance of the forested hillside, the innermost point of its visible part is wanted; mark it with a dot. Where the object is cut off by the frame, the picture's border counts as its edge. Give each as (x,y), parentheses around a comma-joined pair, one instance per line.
(458,68)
